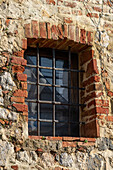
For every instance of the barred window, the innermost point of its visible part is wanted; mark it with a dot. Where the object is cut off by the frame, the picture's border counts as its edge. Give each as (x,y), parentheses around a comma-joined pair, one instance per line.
(53,92)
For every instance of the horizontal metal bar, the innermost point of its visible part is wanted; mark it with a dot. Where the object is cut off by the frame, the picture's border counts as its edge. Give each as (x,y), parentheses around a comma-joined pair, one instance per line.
(32,83)
(28,65)
(42,120)
(61,69)
(45,120)
(60,86)
(57,69)
(57,121)
(49,68)
(52,102)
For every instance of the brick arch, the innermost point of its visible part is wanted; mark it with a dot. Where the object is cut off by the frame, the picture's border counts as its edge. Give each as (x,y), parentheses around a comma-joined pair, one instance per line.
(45,30)
(82,40)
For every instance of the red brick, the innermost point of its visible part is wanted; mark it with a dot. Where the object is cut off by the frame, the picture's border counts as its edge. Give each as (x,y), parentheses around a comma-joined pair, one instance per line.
(7,22)
(43,33)
(70,4)
(82,36)
(58,168)
(89,112)
(71,32)
(60,31)
(104,103)
(94,87)
(48,31)
(70,138)
(50,2)
(91,96)
(20,93)
(15,167)
(25,114)
(39,150)
(19,53)
(88,139)
(17,148)
(34,28)
(92,68)
(68,20)
(2,122)
(90,129)
(18,69)
(86,56)
(65,31)
(28,31)
(69,144)
(54,32)
(54,138)
(77,34)
(24,85)
(98,9)
(110,93)
(89,37)
(18,99)
(100,117)
(109,118)
(35,137)
(102,110)
(91,80)
(19,61)
(22,77)
(24,44)
(21,107)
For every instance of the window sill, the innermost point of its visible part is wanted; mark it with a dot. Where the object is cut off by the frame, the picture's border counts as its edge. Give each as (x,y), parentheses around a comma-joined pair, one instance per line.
(68,141)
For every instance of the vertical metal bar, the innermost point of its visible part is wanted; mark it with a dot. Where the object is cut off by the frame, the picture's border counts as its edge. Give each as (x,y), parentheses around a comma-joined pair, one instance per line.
(53,92)
(78,95)
(38,94)
(69,85)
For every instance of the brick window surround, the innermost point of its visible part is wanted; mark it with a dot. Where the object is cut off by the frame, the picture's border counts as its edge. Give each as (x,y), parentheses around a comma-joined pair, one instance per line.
(61,37)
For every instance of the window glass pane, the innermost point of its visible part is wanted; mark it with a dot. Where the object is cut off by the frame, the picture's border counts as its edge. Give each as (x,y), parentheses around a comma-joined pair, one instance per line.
(61,78)
(46,111)
(32,110)
(46,62)
(74,117)
(61,95)
(46,129)
(31,60)
(46,93)
(61,113)
(61,129)
(74,129)
(31,74)
(32,127)
(45,76)
(32,91)
(61,59)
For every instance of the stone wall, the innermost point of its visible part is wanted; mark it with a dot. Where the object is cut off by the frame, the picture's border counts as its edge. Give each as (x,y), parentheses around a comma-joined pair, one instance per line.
(86,26)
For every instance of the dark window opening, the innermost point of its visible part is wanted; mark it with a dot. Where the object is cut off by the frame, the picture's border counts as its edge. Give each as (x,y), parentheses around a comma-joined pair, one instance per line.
(53,92)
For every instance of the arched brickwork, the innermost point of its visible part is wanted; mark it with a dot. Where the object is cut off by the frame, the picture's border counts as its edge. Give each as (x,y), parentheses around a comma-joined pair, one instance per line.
(79,39)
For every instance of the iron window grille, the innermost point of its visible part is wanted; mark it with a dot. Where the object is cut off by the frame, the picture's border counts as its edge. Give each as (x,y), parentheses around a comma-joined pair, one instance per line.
(53,92)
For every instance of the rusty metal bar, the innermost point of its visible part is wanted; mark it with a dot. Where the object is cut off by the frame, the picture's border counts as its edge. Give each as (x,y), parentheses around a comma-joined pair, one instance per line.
(52,102)
(53,92)
(69,91)
(57,121)
(61,69)
(38,94)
